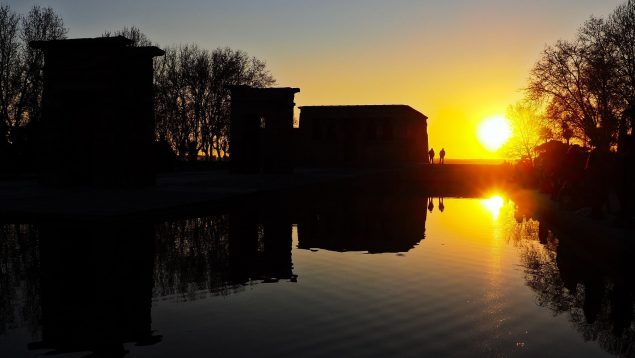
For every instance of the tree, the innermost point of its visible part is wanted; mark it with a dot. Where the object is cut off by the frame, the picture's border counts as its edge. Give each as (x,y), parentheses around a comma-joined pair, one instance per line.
(139,39)
(529,129)
(170,102)
(620,31)
(231,67)
(602,81)
(193,99)
(589,83)
(21,66)
(562,77)
(10,69)
(40,24)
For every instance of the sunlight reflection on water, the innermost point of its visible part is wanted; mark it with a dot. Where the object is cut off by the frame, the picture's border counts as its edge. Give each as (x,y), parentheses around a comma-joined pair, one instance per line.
(362,277)
(494,205)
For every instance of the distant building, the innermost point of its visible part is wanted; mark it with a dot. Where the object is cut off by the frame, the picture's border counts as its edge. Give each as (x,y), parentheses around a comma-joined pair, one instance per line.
(261,129)
(366,135)
(97,125)
(263,140)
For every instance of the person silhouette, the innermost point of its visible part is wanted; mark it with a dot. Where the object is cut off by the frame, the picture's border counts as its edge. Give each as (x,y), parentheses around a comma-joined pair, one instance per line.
(431,155)
(441,205)
(430,205)
(442,156)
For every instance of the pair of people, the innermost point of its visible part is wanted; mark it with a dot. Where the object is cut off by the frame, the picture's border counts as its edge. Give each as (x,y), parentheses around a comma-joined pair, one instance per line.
(441,156)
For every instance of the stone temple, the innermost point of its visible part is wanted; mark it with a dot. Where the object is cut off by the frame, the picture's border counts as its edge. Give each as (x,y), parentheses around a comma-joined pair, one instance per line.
(97,125)
(263,139)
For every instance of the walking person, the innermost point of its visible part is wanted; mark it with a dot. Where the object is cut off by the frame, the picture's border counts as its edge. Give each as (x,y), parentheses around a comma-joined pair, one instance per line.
(442,156)
(431,155)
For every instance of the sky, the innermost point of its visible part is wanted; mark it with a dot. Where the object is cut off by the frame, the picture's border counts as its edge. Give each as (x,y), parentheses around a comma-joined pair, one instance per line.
(456,61)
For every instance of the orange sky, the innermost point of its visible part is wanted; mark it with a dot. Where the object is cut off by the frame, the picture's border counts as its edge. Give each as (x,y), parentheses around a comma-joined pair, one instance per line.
(457,61)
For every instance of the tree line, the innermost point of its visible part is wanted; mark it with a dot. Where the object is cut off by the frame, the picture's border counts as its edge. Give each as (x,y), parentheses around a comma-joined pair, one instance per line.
(582,90)
(20,74)
(192,100)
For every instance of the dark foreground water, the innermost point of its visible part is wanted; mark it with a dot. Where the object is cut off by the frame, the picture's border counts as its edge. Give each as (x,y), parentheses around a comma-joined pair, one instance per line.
(333,275)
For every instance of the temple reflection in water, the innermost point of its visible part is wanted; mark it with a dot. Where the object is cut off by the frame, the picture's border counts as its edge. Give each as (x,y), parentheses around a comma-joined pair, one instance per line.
(89,285)
(92,285)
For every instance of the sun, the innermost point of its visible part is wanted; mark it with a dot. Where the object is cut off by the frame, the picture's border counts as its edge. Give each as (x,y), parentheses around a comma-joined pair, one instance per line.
(494,132)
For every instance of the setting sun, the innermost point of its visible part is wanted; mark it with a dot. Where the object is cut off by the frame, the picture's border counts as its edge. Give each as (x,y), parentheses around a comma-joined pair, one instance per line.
(494,132)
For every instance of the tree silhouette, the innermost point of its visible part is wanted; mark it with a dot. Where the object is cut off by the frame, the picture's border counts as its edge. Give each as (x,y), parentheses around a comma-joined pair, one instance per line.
(620,31)
(10,70)
(191,85)
(21,74)
(133,33)
(588,84)
(529,128)
(574,87)
(193,99)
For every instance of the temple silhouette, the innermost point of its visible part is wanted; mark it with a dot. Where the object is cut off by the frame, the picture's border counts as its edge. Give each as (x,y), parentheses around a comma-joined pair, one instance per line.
(361,136)
(263,139)
(97,125)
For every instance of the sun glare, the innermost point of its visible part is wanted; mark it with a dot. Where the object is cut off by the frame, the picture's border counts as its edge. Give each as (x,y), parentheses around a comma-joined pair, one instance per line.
(494,205)
(494,132)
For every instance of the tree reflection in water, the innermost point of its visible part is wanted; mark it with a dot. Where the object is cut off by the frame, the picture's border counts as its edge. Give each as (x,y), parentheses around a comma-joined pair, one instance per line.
(587,279)
(19,272)
(71,284)
(192,256)
(221,254)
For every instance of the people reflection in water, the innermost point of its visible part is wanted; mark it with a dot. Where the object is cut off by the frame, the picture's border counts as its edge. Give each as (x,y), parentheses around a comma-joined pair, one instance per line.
(430,205)
(441,205)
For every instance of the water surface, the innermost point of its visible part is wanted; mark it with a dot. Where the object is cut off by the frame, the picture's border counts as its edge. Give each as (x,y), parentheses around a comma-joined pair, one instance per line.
(335,274)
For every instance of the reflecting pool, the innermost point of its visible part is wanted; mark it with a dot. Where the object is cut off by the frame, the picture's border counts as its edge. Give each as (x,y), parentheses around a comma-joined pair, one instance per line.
(332,274)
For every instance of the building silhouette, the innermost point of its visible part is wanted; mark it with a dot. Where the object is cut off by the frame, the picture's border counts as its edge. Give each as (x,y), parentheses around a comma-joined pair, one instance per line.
(261,129)
(97,125)
(362,135)
(263,139)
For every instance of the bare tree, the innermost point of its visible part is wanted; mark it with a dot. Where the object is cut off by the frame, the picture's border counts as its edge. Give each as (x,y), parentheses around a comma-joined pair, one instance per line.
(574,79)
(601,80)
(10,69)
(139,39)
(21,66)
(620,31)
(171,102)
(40,24)
(195,63)
(231,67)
(589,83)
(193,98)
(529,129)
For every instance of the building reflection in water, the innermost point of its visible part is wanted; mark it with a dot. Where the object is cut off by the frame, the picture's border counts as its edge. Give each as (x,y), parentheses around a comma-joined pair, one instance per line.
(19,278)
(96,285)
(221,254)
(90,285)
(362,221)
(587,279)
